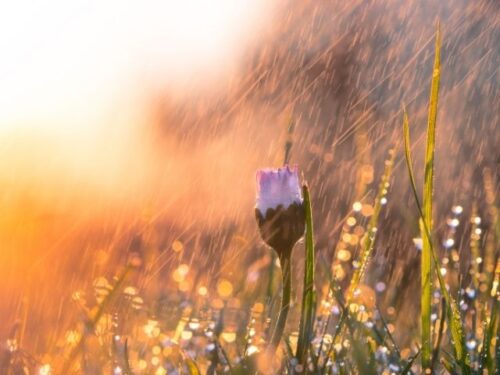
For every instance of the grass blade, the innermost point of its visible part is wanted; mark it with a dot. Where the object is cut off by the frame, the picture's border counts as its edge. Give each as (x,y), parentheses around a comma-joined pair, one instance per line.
(486,361)
(289,141)
(308,295)
(437,347)
(406,369)
(192,367)
(369,238)
(363,357)
(453,315)
(486,358)
(126,360)
(426,262)
(426,230)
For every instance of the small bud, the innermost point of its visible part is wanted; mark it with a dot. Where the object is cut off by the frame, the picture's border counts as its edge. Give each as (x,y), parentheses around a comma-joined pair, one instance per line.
(279,208)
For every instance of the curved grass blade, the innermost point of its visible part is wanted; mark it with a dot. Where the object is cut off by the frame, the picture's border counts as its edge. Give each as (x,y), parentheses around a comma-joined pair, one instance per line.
(308,294)
(389,335)
(406,369)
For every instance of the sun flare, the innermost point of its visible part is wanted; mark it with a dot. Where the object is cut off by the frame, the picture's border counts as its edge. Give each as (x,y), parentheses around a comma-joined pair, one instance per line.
(65,62)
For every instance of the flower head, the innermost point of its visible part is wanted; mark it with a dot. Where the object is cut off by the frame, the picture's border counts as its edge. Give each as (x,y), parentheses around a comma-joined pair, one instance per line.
(277,187)
(279,208)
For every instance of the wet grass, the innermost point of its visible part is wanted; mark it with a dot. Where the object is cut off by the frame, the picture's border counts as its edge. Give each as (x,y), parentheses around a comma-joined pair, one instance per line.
(340,329)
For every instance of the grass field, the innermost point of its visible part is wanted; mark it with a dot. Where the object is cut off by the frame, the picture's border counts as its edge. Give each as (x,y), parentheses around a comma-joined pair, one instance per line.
(345,300)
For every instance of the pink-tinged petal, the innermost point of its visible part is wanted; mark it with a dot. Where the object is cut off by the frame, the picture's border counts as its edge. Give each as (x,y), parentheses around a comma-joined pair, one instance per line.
(278,187)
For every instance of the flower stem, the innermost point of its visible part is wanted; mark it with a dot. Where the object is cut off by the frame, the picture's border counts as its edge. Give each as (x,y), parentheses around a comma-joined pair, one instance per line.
(285,303)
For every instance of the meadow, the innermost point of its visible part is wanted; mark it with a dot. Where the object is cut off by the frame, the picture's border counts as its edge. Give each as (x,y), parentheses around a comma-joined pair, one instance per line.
(403,278)
(340,331)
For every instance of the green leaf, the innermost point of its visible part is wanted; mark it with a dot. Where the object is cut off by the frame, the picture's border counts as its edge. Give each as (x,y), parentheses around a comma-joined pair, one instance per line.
(308,294)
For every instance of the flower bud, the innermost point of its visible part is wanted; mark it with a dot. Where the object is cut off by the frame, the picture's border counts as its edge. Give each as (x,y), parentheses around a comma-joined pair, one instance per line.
(279,208)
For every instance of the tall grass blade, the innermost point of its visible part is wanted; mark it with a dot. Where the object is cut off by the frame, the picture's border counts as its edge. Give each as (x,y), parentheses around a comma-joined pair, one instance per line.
(426,262)
(453,310)
(308,295)
(369,238)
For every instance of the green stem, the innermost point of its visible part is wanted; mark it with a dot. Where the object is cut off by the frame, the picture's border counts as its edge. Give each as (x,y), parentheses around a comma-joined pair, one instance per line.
(285,302)
(270,285)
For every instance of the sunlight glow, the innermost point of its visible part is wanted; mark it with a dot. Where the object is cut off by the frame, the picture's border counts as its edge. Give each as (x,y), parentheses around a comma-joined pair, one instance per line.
(67,60)
(78,80)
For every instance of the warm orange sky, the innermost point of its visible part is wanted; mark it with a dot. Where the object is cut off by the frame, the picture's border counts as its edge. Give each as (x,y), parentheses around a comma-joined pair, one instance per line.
(63,58)
(77,78)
